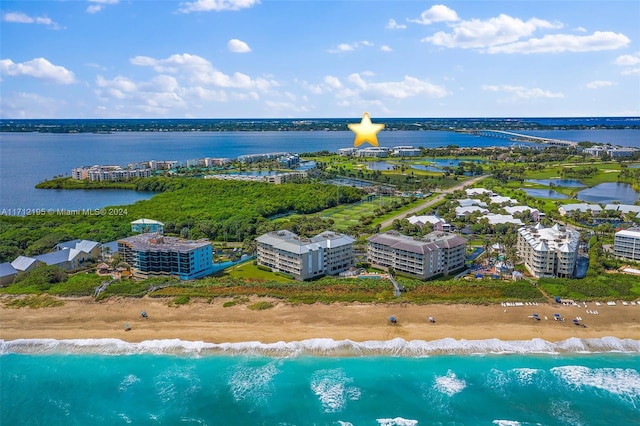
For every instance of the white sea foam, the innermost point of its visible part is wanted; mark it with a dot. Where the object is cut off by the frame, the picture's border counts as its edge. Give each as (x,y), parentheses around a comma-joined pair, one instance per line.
(319,347)
(398,421)
(127,382)
(506,423)
(525,375)
(449,384)
(331,387)
(618,381)
(253,383)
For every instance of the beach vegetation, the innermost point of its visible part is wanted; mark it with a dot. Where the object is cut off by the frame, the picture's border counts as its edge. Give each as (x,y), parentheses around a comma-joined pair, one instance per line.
(33,301)
(181,300)
(260,306)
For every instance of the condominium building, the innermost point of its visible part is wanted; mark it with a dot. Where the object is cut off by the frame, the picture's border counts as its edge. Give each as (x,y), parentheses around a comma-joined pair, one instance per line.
(146,226)
(100,173)
(627,244)
(151,255)
(327,253)
(548,251)
(437,253)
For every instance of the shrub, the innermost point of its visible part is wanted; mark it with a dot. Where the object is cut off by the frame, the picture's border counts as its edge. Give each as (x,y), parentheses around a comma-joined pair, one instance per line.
(264,268)
(230,303)
(260,306)
(181,300)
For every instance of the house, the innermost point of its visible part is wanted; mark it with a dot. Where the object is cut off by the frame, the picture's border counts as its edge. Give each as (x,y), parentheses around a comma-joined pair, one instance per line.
(623,208)
(7,273)
(535,213)
(499,199)
(478,191)
(437,253)
(462,212)
(438,223)
(569,209)
(91,248)
(328,253)
(497,219)
(24,264)
(67,259)
(466,202)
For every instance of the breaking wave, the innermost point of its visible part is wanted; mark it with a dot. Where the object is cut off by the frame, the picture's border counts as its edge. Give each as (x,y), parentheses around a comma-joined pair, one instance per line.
(320,347)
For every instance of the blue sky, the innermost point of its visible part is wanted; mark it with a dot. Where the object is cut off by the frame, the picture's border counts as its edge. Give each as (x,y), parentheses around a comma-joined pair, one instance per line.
(318,58)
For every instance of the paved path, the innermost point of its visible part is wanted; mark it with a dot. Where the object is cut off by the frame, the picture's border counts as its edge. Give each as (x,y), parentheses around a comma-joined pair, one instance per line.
(387,223)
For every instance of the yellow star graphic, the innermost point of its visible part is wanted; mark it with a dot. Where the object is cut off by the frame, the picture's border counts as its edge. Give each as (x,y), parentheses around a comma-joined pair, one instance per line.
(365,131)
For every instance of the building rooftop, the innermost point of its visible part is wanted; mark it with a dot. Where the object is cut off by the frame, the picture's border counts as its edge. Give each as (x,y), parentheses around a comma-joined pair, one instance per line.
(430,242)
(22,263)
(555,238)
(292,243)
(155,242)
(583,207)
(624,208)
(146,222)
(6,269)
(58,257)
(631,232)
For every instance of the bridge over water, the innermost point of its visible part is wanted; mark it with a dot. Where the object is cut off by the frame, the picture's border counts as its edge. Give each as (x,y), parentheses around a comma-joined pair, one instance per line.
(517,137)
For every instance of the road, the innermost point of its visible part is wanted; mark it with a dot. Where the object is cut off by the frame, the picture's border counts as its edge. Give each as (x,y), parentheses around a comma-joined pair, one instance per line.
(387,223)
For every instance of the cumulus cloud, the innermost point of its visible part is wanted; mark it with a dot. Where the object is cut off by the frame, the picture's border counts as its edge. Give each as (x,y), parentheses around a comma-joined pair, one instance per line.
(522,92)
(393,25)
(358,88)
(476,34)
(631,71)
(386,48)
(216,5)
(23,18)
(628,60)
(96,6)
(201,71)
(557,43)
(30,105)
(238,46)
(598,84)
(436,13)
(39,68)
(349,47)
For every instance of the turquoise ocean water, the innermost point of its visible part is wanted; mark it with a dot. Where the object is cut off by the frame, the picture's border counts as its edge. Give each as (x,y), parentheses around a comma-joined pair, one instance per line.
(320,382)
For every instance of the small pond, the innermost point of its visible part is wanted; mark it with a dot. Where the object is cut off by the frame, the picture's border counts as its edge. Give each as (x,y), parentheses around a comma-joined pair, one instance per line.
(379,165)
(545,193)
(573,183)
(608,193)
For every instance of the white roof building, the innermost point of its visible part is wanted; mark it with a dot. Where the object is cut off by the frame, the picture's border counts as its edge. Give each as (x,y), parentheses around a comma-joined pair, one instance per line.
(497,219)
(499,199)
(624,208)
(438,223)
(478,191)
(582,207)
(465,211)
(466,202)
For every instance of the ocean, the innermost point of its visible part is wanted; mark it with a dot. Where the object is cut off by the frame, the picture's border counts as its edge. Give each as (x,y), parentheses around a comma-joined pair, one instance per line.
(29,158)
(320,382)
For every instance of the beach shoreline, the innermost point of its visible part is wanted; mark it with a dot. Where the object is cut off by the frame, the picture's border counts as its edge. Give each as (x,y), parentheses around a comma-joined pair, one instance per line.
(83,318)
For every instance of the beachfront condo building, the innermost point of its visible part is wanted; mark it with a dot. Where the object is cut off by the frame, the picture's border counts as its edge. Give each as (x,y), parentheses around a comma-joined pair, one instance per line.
(328,253)
(548,252)
(146,226)
(435,254)
(627,244)
(152,255)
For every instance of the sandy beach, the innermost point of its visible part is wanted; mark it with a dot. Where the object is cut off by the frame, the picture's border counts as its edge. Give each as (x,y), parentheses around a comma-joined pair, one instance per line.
(83,318)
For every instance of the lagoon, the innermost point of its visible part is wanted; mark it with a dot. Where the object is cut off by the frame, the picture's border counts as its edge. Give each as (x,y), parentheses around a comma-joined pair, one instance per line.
(571,183)
(545,193)
(609,192)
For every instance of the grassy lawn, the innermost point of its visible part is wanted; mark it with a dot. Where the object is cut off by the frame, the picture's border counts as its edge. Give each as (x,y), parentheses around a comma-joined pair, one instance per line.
(249,271)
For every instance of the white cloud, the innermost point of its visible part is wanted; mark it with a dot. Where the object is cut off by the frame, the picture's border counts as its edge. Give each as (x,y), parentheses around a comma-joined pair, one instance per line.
(201,71)
(477,34)
(216,5)
(39,68)
(386,48)
(627,60)
(96,6)
(522,92)
(437,13)
(599,83)
(238,46)
(30,105)
(358,89)
(631,71)
(22,18)
(580,30)
(349,47)
(393,25)
(332,82)
(557,43)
